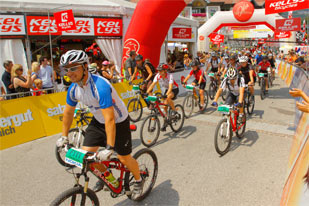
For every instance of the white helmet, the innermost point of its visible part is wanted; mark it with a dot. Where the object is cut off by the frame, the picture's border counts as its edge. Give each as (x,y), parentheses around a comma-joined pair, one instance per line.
(74,56)
(231,73)
(92,70)
(243,59)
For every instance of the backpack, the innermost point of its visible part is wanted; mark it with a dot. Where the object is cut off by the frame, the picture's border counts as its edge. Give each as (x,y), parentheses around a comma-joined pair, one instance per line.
(153,69)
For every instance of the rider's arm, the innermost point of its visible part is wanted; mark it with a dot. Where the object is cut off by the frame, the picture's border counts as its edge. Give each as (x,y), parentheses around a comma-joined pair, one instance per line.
(201,77)
(68,115)
(186,79)
(134,73)
(150,88)
(170,88)
(206,70)
(241,94)
(251,76)
(110,125)
(149,72)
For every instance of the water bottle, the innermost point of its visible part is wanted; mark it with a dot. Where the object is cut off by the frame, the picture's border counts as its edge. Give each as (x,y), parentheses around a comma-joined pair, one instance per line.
(111,179)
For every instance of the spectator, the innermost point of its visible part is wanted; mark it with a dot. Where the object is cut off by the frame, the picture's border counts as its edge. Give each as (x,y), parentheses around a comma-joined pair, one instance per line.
(2,91)
(46,75)
(105,71)
(258,57)
(130,66)
(292,57)
(304,106)
(6,78)
(300,60)
(187,61)
(38,86)
(114,71)
(35,71)
(21,83)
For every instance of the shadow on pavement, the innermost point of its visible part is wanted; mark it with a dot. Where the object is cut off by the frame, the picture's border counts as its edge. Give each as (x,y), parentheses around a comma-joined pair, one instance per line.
(163,194)
(256,114)
(136,143)
(248,140)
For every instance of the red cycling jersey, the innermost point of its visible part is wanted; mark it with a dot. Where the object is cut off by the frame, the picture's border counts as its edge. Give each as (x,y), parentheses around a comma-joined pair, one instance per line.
(265,65)
(197,75)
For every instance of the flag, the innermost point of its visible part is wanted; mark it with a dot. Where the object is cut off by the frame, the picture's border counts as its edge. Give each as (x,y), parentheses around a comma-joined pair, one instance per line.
(304,25)
(290,14)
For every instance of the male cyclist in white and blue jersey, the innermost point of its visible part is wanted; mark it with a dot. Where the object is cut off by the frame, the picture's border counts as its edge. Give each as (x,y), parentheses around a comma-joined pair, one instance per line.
(110,126)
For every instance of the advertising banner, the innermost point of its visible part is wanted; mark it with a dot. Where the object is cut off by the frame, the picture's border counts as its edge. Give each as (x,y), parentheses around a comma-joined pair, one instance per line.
(216,38)
(278,6)
(65,20)
(182,33)
(243,11)
(288,24)
(12,25)
(282,35)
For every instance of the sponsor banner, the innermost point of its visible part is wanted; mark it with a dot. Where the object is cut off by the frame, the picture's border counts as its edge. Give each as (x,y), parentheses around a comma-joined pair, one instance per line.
(282,35)
(182,33)
(242,27)
(65,20)
(290,75)
(243,11)
(12,25)
(288,24)
(102,27)
(216,38)
(278,6)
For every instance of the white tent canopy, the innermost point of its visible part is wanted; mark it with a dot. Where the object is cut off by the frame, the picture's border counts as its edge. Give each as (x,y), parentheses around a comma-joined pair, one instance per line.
(227,18)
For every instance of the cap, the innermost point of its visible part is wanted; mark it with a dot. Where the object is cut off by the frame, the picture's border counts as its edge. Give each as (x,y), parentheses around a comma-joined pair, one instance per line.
(105,63)
(139,57)
(132,53)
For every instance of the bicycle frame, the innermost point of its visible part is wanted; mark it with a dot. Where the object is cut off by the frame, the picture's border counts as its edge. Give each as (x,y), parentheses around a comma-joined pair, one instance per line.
(157,106)
(233,121)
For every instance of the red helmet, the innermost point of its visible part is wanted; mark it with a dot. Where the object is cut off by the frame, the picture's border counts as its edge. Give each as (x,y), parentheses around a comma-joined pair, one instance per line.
(163,66)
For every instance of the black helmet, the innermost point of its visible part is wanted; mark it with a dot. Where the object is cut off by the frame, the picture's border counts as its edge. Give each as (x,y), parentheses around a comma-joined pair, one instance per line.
(235,57)
(265,57)
(195,63)
(139,57)
(132,53)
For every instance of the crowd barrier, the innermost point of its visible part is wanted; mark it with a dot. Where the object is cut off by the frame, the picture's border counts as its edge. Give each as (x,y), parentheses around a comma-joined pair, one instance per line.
(29,118)
(295,190)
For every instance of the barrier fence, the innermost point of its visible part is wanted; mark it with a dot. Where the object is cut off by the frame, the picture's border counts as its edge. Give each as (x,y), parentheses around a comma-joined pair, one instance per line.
(295,190)
(29,118)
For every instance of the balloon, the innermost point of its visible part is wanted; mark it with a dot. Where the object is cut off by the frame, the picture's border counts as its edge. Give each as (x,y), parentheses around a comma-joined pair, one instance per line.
(149,26)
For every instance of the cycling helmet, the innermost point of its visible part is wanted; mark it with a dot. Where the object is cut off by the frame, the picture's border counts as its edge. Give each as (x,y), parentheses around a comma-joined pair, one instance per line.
(213,54)
(243,59)
(233,57)
(226,57)
(270,55)
(74,56)
(162,66)
(93,68)
(231,73)
(139,57)
(195,63)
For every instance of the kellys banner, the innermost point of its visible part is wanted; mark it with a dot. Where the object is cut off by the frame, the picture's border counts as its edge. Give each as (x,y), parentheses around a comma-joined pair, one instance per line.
(149,26)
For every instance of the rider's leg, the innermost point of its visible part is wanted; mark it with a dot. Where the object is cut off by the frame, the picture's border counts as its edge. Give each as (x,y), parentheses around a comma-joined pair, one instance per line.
(201,96)
(131,164)
(170,101)
(266,81)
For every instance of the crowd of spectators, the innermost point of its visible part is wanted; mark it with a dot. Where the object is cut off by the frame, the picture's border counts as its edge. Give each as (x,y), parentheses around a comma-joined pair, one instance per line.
(295,57)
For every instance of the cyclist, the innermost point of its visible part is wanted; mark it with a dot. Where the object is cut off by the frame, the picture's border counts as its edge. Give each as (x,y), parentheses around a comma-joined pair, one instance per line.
(235,84)
(146,71)
(247,71)
(168,83)
(200,80)
(129,66)
(109,127)
(263,65)
(258,57)
(214,64)
(272,60)
(232,64)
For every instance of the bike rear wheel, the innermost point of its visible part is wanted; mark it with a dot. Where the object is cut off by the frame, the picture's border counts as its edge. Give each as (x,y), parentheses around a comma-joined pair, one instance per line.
(135,109)
(150,130)
(73,196)
(241,131)
(224,94)
(223,137)
(212,90)
(205,100)
(250,104)
(176,123)
(148,165)
(262,93)
(74,141)
(188,105)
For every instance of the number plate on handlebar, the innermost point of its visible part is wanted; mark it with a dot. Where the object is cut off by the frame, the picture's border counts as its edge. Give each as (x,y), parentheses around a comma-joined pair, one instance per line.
(211,74)
(136,87)
(268,69)
(261,74)
(152,98)
(189,87)
(75,157)
(225,109)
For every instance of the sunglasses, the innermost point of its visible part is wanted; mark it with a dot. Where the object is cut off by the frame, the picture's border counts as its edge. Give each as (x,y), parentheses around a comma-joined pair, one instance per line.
(71,69)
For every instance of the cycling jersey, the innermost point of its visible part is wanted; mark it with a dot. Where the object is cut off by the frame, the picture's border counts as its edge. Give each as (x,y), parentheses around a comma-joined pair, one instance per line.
(97,94)
(214,63)
(272,62)
(165,82)
(264,66)
(198,74)
(245,71)
(234,89)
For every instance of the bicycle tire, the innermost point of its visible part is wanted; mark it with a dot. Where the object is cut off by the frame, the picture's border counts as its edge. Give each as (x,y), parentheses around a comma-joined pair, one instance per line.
(206,97)
(153,179)
(218,150)
(250,105)
(59,158)
(186,104)
(73,192)
(240,135)
(223,95)
(262,93)
(156,126)
(212,90)
(133,103)
(180,111)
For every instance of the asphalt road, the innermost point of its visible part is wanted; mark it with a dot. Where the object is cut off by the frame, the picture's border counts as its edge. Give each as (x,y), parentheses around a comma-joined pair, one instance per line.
(190,171)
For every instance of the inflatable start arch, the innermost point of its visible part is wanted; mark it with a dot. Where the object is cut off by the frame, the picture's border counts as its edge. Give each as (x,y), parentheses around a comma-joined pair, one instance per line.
(226,18)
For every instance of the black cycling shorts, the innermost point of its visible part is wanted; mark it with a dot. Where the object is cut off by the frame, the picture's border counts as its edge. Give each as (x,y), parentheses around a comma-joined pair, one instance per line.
(202,85)
(175,92)
(96,136)
(213,70)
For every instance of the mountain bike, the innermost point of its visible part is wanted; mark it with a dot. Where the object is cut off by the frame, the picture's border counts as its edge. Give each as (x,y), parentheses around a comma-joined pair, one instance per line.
(226,127)
(76,135)
(192,100)
(262,85)
(82,195)
(213,87)
(135,107)
(150,129)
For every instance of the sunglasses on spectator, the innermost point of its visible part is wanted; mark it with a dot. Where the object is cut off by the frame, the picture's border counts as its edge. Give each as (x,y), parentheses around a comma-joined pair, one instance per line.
(71,69)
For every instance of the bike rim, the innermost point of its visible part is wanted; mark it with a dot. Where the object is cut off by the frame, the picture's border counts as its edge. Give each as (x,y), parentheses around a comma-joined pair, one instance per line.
(188,106)
(150,130)
(134,110)
(178,120)
(223,137)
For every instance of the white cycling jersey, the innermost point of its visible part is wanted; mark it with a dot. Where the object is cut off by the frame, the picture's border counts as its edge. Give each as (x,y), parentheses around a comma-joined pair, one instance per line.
(234,89)
(165,82)
(98,94)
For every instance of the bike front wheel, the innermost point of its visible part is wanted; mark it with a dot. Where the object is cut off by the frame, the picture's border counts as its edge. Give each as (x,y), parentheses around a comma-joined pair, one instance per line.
(205,100)
(212,90)
(148,166)
(74,196)
(223,137)
(150,130)
(177,121)
(76,137)
(188,105)
(135,109)
(241,128)
(262,93)
(250,104)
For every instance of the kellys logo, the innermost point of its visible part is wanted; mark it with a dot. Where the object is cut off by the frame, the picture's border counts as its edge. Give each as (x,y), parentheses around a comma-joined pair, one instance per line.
(14,121)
